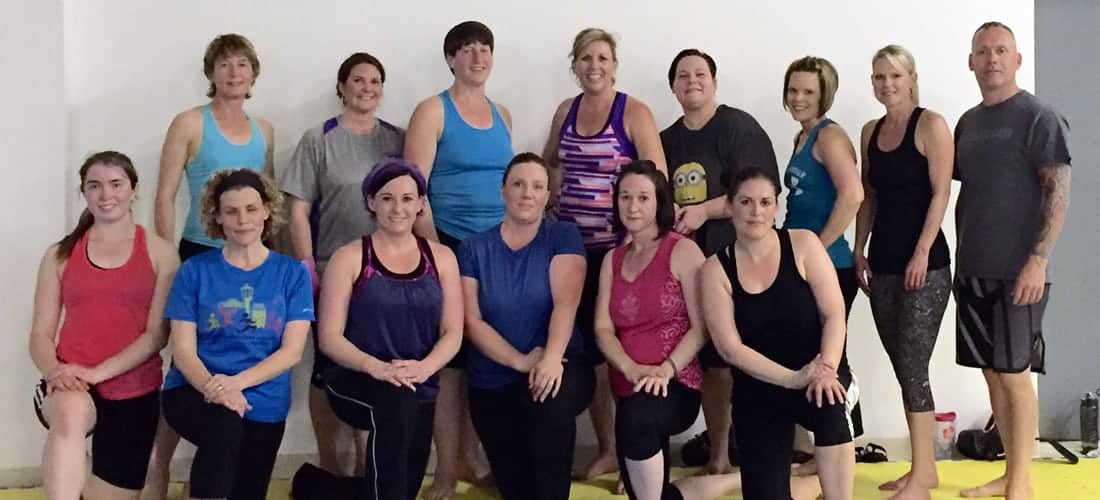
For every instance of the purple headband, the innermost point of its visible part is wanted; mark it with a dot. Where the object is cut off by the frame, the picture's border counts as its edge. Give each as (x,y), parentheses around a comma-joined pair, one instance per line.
(389,169)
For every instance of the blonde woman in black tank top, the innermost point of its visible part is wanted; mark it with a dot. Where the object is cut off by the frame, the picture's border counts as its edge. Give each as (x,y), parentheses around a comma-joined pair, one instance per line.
(907,162)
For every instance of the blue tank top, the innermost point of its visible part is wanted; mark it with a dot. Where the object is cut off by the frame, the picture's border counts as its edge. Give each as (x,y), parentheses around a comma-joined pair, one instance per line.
(215,154)
(396,316)
(464,188)
(811,196)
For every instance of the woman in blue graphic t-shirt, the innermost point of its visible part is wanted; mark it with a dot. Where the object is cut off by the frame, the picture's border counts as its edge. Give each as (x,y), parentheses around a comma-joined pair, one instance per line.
(239,320)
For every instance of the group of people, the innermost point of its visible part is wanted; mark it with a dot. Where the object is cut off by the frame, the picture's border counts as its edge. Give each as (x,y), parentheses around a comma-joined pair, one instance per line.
(470,294)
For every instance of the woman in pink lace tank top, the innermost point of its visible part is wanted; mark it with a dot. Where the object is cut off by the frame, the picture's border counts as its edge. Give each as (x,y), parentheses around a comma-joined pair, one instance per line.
(650,328)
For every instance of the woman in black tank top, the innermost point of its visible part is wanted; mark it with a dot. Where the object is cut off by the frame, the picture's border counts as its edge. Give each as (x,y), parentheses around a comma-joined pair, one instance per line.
(908,158)
(775,312)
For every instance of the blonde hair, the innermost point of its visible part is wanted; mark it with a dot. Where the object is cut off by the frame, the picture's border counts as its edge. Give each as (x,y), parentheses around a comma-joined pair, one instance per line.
(902,59)
(228,180)
(589,35)
(826,78)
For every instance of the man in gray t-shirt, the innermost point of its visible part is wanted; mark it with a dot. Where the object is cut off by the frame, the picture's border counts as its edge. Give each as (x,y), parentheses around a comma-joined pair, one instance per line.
(327,172)
(1012,158)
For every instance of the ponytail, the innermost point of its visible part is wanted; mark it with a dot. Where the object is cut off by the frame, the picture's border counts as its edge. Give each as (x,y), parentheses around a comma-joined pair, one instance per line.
(66,245)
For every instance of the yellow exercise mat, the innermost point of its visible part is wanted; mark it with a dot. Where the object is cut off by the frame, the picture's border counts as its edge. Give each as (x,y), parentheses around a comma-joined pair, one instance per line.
(1054,480)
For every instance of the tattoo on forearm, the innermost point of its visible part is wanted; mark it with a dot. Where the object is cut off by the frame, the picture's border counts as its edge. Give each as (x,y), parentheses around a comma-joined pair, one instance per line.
(1055,182)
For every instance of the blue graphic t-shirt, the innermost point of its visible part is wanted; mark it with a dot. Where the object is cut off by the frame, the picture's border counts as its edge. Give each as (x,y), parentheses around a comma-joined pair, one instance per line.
(239,317)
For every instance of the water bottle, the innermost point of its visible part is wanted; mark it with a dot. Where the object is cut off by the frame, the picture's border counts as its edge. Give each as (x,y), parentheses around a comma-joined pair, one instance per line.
(944,443)
(1089,434)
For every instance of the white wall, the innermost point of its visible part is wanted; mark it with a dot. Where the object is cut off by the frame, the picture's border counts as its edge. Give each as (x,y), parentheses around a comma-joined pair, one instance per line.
(32,138)
(131,65)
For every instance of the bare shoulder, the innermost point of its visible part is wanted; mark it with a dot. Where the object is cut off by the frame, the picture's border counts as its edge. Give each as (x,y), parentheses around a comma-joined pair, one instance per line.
(636,109)
(868,127)
(161,250)
(833,132)
(686,250)
(442,253)
(265,126)
(804,240)
(931,122)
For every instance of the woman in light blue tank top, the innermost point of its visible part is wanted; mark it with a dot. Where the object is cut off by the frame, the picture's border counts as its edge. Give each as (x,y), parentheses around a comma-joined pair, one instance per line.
(824,188)
(210,138)
(462,141)
(200,142)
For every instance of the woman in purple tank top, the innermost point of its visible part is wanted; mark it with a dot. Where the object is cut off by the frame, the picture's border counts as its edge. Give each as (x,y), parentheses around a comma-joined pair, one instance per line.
(592,135)
(391,319)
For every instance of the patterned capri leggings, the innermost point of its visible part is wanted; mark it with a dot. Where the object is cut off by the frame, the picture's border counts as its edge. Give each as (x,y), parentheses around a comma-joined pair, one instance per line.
(908,323)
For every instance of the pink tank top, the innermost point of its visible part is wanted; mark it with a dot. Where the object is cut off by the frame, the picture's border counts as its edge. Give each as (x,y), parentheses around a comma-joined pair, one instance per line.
(650,315)
(105,311)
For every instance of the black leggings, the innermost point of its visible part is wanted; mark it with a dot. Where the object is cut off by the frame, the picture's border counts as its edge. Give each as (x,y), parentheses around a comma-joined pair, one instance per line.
(644,423)
(530,444)
(764,416)
(400,428)
(234,456)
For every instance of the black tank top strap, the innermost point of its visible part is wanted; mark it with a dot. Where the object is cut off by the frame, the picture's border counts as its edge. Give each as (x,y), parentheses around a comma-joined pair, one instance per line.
(787,264)
(427,256)
(729,264)
(910,139)
(872,143)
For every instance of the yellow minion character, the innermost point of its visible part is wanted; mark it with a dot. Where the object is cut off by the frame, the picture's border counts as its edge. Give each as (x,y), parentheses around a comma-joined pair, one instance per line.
(690,184)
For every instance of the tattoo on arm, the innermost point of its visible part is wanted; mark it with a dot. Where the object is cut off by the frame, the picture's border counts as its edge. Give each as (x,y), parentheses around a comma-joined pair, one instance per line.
(1055,182)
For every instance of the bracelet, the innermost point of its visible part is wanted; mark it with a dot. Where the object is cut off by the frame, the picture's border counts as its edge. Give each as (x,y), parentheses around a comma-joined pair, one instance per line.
(675,369)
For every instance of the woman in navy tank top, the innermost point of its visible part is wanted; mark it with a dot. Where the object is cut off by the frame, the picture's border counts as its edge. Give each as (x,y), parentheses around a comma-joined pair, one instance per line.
(908,158)
(592,135)
(391,319)
(775,312)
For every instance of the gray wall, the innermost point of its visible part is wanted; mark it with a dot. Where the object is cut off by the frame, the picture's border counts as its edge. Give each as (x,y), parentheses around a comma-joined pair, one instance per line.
(1067,72)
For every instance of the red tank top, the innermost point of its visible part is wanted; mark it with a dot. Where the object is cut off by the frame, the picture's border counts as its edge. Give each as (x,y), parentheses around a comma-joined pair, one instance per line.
(105,311)
(650,315)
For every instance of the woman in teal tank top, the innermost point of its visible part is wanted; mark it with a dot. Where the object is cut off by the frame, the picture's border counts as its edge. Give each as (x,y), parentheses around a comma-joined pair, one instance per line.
(822,178)
(824,187)
(200,142)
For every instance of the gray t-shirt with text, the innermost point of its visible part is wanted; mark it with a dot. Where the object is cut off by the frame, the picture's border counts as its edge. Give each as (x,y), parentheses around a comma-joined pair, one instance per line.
(999,151)
(327,170)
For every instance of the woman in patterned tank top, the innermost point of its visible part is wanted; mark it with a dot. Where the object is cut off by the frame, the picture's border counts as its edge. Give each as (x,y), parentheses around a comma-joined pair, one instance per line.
(592,135)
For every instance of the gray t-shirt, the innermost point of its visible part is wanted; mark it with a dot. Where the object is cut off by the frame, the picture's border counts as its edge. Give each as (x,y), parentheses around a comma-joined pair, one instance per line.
(327,170)
(999,151)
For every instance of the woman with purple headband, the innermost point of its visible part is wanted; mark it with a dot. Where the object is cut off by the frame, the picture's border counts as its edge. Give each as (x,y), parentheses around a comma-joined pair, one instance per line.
(391,319)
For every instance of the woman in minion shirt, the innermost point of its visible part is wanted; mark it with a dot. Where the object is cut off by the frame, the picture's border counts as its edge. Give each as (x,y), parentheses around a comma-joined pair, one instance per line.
(705,147)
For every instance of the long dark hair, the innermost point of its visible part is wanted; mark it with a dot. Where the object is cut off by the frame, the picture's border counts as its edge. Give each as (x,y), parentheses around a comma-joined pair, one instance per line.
(666,211)
(111,158)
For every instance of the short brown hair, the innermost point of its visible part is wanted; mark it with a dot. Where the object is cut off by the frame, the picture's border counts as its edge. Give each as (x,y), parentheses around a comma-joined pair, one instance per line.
(826,78)
(232,179)
(224,46)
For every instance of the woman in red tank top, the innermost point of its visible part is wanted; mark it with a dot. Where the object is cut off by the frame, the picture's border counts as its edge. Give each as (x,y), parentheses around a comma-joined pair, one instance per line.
(650,328)
(101,370)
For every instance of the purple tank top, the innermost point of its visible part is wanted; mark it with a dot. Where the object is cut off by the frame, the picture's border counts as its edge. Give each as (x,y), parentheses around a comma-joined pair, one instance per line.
(396,316)
(589,166)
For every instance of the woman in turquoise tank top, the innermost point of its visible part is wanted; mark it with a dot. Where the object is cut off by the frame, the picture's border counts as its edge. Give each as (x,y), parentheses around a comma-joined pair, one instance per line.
(200,142)
(462,141)
(824,188)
